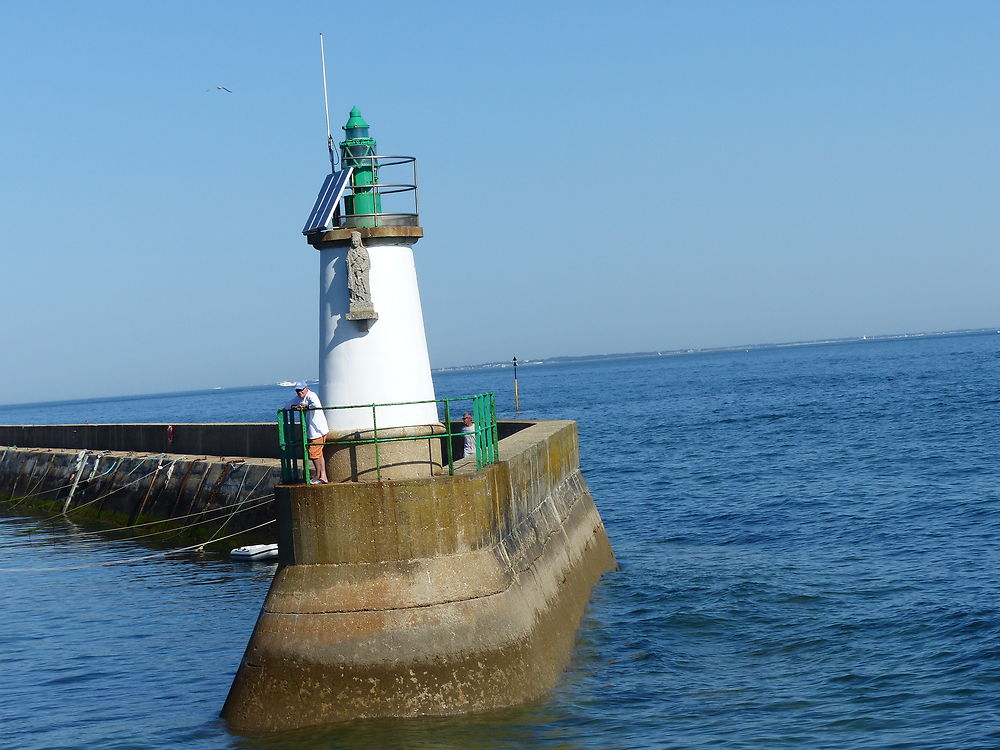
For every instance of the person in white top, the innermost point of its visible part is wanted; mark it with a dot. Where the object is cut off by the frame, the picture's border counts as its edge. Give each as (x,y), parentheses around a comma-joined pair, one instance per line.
(469,429)
(316,428)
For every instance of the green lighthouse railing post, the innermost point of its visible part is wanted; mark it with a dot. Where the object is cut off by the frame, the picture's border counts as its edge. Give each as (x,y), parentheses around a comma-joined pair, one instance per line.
(305,448)
(447,443)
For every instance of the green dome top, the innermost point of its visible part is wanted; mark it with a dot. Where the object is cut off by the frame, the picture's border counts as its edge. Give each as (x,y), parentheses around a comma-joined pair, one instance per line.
(355,120)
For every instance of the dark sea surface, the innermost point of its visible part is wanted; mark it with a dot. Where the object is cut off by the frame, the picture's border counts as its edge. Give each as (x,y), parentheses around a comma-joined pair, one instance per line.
(808,540)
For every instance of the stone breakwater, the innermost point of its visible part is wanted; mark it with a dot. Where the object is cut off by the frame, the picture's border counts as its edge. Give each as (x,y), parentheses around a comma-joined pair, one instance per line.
(442,595)
(121,472)
(219,439)
(208,495)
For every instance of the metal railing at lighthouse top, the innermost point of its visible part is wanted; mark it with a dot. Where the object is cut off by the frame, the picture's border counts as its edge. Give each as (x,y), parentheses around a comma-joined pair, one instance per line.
(294,441)
(397,202)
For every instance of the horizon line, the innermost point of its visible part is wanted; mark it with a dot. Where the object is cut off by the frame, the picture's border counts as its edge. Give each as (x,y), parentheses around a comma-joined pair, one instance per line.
(570,358)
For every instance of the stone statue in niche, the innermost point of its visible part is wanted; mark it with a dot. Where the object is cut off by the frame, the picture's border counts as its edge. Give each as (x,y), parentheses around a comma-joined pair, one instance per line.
(358,266)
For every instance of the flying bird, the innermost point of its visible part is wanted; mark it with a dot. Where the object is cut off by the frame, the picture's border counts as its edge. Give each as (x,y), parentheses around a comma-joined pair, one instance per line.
(220,88)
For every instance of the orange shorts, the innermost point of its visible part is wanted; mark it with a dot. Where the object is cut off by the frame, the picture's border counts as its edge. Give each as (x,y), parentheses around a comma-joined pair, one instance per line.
(316,447)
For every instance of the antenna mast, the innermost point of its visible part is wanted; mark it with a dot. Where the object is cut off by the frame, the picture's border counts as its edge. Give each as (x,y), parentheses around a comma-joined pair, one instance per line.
(326,103)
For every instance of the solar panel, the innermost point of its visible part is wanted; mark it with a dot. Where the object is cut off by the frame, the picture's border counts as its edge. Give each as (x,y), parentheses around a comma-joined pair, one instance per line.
(327,201)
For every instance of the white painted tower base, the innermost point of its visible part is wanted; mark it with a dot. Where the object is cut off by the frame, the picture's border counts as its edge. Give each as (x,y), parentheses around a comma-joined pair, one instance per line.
(383,361)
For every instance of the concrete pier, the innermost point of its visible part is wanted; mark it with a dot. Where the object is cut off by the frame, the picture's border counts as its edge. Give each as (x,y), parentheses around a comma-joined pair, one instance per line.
(219,495)
(427,596)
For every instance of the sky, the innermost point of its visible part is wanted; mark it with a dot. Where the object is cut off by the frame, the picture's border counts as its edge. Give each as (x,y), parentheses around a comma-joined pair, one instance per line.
(594,178)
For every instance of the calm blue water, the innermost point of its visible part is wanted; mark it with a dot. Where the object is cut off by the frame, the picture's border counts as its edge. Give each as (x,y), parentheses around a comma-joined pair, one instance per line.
(808,541)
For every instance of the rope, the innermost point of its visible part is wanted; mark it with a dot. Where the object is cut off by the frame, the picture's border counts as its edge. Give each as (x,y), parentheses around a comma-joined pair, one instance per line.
(106,494)
(211,513)
(189,525)
(237,508)
(226,522)
(103,532)
(31,492)
(17,500)
(198,547)
(179,529)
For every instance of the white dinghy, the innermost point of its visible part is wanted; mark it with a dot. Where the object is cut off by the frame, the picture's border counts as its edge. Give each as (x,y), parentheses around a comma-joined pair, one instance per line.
(255,552)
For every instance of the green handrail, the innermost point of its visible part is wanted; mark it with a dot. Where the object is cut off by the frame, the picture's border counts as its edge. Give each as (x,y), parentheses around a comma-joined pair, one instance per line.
(295,452)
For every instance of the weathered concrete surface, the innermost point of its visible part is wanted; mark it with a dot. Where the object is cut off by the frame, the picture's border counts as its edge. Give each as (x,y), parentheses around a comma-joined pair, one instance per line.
(401,459)
(241,439)
(397,235)
(221,439)
(433,596)
(230,495)
(117,464)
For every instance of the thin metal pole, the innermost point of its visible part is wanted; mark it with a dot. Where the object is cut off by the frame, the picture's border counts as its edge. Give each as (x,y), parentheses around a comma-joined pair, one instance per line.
(517,405)
(376,191)
(493,423)
(477,420)
(378,461)
(416,194)
(326,104)
(285,471)
(447,442)
(81,464)
(305,448)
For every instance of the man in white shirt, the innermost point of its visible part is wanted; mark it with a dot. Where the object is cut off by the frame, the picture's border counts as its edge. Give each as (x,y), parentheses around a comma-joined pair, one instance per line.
(316,428)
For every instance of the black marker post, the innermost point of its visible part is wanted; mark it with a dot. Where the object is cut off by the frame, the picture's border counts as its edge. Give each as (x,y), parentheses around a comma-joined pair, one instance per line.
(517,406)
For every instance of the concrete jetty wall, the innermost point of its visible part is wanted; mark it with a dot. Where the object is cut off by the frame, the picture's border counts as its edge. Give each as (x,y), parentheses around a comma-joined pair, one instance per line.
(425,596)
(129,487)
(128,471)
(240,439)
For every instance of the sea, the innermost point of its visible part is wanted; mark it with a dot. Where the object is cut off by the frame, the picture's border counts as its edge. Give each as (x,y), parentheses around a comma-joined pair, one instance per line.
(808,540)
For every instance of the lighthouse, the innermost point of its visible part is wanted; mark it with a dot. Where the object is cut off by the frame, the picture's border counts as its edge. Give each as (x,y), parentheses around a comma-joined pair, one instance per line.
(404,590)
(373,362)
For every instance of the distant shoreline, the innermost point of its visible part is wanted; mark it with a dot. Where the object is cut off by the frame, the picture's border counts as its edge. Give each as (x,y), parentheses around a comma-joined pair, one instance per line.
(556,361)
(720,349)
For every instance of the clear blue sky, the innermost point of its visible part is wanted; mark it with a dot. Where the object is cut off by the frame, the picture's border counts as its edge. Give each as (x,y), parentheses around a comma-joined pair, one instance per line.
(595,177)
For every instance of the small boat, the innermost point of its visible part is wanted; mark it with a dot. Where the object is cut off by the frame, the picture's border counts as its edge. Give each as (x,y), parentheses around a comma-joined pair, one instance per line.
(255,552)
(286,383)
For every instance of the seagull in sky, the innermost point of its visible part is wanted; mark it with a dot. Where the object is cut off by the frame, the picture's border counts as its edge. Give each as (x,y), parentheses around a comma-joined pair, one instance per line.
(220,88)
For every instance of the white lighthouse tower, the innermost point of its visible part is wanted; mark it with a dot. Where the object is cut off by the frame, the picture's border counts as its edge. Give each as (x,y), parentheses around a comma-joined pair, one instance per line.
(373,363)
